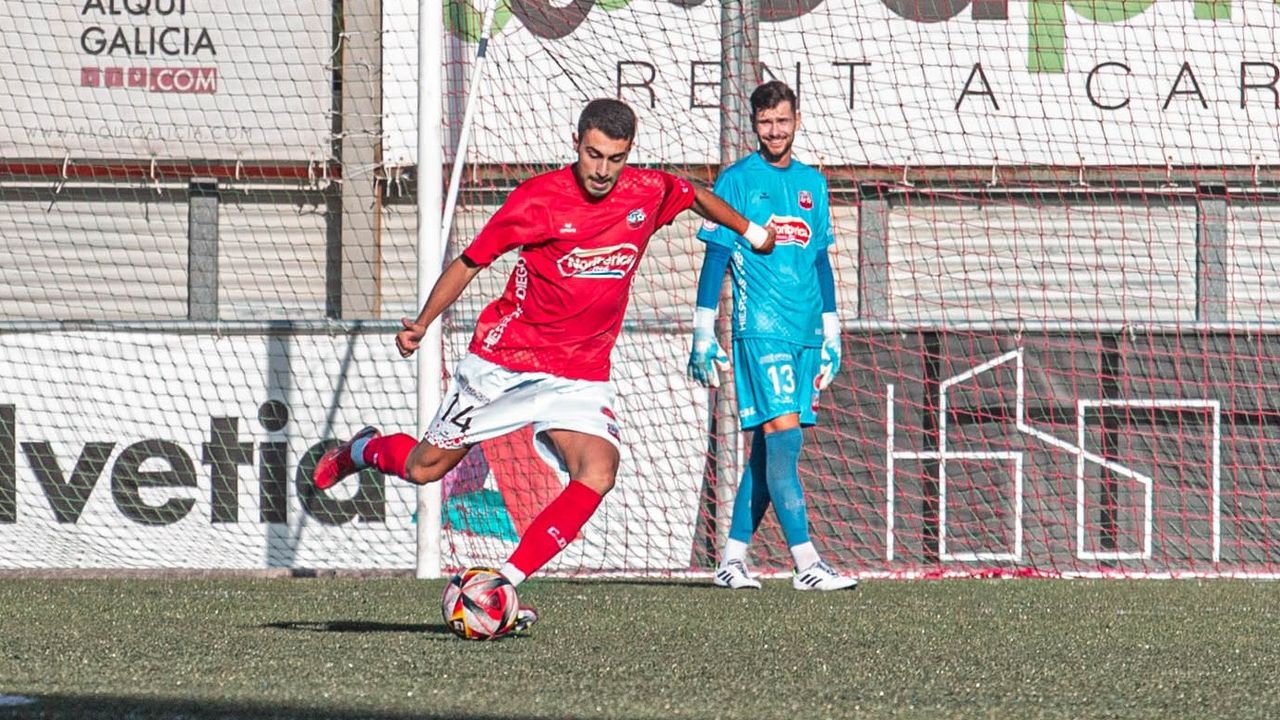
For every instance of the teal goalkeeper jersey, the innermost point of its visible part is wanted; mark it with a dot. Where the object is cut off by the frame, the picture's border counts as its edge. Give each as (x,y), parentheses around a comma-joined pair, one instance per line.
(776,295)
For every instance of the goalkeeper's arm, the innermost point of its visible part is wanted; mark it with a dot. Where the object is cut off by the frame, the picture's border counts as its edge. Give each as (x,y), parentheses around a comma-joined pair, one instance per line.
(707,355)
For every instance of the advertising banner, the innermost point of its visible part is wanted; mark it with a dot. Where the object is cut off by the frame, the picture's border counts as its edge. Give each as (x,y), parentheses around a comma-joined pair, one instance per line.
(166,79)
(150,450)
(881,82)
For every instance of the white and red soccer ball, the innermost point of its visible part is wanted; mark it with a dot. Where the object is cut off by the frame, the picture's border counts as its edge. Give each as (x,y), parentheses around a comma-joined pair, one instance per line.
(479,604)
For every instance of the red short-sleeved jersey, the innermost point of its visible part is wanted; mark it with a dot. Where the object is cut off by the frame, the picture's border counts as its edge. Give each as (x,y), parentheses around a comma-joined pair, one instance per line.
(564,302)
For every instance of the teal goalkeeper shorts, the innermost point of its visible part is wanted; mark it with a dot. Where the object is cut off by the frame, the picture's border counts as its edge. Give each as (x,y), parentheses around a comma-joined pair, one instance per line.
(775,378)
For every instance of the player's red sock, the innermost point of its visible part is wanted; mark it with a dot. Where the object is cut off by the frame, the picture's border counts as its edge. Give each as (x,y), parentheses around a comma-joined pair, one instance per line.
(390,453)
(555,527)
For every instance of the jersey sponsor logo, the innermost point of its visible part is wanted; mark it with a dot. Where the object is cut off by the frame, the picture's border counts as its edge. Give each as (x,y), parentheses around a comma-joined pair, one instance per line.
(611,262)
(635,218)
(805,198)
(791,230)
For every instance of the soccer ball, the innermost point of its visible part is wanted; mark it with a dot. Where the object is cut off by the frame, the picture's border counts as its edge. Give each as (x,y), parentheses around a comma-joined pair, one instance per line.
(479,604)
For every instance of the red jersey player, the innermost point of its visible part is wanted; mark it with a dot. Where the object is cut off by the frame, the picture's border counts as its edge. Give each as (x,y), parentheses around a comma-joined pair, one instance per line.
(540,353)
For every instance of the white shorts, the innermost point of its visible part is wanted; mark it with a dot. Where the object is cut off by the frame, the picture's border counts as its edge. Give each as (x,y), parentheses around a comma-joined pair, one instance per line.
(485,401)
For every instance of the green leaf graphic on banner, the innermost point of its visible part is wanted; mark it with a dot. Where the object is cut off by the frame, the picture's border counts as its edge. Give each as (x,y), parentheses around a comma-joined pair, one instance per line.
(1047,27)
(465,21)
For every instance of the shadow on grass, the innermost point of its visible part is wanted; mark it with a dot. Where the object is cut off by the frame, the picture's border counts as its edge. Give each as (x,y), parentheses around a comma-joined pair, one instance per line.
(691,583)
(93,707)
(357,626)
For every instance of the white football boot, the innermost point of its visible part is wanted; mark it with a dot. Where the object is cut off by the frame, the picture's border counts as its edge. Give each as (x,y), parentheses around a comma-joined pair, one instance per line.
(820,576)
(525,617)
(733,575)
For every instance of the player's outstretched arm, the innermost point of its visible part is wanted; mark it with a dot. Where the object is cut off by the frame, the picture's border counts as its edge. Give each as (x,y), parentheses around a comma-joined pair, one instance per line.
(713,208)
(448,287)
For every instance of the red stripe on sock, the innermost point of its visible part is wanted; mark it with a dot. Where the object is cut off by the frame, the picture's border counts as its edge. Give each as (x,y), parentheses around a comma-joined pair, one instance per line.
(390,453)
(555,527)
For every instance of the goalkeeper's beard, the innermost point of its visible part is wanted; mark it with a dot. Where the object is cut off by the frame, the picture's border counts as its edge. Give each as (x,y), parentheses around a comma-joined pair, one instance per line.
(772,157)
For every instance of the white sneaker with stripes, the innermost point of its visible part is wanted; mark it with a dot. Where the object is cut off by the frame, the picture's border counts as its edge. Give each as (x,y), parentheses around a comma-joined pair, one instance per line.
(733,575)
(820,576)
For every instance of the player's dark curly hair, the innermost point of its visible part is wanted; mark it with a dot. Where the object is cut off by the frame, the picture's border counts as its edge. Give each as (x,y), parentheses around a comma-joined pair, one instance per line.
(771,94)
(609,116)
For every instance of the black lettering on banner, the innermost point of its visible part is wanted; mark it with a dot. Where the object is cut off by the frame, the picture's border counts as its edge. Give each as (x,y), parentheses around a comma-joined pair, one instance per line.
(1088,86)
(224,454)
(273,464)
(764,70)
(647,84)
(851,65)
(8,465)
(136,7)
(987,91)
(67,496)
(932,11)
(273,477)
(549,20)
(1245,85)
(128,478)
(1186,72)
(694,84)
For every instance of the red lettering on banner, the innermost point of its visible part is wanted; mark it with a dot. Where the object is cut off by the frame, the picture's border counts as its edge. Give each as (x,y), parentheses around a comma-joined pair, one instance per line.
(191,80)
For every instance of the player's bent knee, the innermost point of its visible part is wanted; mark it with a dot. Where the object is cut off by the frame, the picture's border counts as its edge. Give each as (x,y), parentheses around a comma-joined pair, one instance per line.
(602,482)
(428,464)
(421,473)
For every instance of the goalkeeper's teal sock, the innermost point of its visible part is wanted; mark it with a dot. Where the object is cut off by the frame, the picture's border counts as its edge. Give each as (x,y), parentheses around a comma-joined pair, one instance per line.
(782,467)
(751,500)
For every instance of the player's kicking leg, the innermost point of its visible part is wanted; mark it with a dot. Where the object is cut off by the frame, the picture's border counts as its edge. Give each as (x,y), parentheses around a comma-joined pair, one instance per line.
(592,465)
(341,462)
(398,455)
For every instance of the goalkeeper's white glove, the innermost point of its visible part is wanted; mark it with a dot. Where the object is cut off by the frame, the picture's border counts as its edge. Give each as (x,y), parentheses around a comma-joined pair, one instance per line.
(830,350)
(707,357)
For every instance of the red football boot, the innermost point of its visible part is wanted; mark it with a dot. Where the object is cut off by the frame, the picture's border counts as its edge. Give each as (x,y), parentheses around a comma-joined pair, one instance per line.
(337,464)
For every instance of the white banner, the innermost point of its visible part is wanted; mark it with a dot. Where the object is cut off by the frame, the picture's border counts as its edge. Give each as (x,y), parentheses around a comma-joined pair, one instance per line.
(881,82)
(166,79)
(133,450)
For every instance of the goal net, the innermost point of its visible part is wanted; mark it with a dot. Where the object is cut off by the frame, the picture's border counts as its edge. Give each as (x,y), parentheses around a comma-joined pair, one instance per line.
(1053,225)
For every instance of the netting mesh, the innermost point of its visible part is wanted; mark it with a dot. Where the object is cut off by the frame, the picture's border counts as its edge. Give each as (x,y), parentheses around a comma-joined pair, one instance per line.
(1054,226)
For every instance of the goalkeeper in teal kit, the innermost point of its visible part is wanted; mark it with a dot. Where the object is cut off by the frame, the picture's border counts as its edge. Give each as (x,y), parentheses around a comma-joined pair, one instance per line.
(786,334)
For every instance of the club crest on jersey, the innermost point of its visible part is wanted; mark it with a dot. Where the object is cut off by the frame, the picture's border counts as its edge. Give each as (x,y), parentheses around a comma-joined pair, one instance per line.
(635,218)
(791,230)
(611,262)
(805,199)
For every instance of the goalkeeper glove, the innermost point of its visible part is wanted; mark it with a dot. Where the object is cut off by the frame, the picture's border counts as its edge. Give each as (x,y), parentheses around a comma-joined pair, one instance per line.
(707,357)
(830,350)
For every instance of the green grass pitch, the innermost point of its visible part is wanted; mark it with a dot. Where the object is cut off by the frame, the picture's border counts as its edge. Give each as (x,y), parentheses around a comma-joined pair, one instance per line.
(376,648)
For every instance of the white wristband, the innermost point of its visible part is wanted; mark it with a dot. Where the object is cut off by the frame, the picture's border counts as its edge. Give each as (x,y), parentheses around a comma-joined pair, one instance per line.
(830,325)
(756,235)
(704,319)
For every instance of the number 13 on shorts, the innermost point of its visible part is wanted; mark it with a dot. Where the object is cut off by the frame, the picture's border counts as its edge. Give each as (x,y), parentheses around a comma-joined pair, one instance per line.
(774,379)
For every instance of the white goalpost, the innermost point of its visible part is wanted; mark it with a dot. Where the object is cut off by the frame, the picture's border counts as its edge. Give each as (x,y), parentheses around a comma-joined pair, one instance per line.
(431,244)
